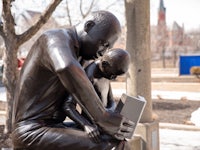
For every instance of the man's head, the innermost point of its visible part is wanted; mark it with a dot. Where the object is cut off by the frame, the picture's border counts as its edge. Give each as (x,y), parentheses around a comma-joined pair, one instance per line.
(114,62)
(101,30)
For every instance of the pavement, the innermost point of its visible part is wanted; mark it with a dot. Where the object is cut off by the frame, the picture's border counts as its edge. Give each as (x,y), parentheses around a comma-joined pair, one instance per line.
(173,139)
(166,91)
(172,136)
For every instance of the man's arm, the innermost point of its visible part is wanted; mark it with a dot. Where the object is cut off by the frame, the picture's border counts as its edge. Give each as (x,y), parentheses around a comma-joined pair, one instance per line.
(76,82)
(63,59)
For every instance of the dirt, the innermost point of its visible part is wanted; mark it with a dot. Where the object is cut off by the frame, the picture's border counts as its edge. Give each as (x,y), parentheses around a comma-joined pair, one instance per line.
(175,111)
(166,111)
(5,140)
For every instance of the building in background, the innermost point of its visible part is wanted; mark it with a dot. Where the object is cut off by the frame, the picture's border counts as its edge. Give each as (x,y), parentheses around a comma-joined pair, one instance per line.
(168,43)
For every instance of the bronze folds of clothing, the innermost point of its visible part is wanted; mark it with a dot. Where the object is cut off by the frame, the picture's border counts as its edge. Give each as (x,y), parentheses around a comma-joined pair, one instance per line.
(43,135)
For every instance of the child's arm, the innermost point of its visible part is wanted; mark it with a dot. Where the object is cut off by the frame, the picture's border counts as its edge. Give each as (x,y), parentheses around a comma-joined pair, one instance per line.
(70,110)
(111,104)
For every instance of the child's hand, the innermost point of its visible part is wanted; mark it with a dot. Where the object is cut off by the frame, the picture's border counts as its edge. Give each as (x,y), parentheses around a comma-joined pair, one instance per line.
(93,132)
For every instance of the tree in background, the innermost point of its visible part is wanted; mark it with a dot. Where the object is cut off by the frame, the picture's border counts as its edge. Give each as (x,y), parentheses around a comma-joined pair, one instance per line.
(76,10)
(138,44)
(12,42)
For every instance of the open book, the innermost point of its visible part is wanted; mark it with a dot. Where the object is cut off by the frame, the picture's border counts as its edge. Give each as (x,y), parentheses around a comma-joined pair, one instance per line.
(131,108)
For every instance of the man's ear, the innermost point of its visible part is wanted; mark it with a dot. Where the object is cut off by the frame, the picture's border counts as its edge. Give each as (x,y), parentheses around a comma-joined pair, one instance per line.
(88,25)
(105,64)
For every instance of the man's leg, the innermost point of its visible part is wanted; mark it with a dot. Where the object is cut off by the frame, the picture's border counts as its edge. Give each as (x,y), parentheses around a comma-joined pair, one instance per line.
(43,138)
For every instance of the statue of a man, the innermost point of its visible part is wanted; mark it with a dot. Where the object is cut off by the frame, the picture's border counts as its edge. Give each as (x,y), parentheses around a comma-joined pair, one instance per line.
(50,73)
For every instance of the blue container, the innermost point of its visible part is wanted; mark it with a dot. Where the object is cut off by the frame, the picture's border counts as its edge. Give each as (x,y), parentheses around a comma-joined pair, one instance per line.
(186,62)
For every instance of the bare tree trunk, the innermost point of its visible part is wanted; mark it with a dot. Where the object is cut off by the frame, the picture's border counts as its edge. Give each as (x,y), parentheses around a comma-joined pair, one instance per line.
(138,45)
(9,79)
(163,58)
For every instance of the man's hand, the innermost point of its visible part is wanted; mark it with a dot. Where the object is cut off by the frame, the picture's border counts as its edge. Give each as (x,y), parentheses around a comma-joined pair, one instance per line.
(93,132)
(116,125)
(126,129)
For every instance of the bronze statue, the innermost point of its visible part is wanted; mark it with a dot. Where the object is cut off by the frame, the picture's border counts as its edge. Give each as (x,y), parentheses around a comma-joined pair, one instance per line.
(113,63)
(51,73)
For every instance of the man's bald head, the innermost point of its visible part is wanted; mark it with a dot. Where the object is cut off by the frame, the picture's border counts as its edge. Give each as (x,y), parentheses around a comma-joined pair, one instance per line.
(101,30)
(106,20)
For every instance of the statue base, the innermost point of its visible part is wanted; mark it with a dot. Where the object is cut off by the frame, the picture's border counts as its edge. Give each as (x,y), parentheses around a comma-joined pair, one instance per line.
(146,137)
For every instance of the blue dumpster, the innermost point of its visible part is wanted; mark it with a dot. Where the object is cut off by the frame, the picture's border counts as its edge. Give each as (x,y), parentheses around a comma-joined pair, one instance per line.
(186,62)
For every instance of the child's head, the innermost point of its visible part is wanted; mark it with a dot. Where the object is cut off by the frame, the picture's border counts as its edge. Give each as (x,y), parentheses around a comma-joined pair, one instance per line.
(114,62)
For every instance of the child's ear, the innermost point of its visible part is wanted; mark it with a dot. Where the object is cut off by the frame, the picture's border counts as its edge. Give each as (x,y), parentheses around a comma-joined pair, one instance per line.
(105,64)
(88,25)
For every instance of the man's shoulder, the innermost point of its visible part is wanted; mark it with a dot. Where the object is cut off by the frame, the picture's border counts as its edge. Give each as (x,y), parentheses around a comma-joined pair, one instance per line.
(57,31)
(62,34)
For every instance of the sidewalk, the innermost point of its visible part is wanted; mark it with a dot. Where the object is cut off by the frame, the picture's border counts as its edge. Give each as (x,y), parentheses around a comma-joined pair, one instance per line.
(174,139)
(120,87)
(179,137)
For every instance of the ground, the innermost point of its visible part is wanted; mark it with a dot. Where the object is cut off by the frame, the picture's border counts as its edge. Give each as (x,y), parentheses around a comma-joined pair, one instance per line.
(4,140)
(168,111)
(175,111)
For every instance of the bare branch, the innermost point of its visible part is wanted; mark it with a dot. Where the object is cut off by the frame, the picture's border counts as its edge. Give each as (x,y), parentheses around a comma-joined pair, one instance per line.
(43,19)
(68,13)
(89,9)
(8,18)
(113,3)
(80,6)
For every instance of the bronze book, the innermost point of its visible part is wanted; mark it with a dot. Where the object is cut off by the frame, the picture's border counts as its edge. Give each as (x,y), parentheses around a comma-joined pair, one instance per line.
(131,107)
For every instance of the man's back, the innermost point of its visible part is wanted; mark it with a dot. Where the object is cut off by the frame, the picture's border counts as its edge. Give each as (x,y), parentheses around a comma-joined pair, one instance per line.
(41,92)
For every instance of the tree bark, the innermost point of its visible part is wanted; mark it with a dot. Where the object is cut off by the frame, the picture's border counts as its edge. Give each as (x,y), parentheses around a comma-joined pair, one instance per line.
(10,76)
(138,45)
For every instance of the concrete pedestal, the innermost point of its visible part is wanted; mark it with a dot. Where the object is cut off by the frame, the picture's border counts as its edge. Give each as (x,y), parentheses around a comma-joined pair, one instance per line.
(136,143)
(146,137)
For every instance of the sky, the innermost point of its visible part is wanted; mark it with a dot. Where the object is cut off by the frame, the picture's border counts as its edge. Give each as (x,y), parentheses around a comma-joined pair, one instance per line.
(185,12)
(182,11)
